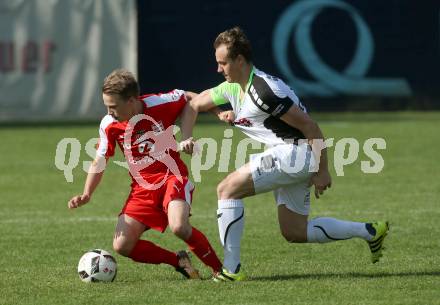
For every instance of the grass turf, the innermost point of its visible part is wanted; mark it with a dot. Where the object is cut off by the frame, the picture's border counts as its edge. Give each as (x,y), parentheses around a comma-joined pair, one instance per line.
(41,240)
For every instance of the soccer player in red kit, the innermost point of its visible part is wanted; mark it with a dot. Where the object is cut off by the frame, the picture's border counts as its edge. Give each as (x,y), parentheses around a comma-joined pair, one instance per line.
(142,126)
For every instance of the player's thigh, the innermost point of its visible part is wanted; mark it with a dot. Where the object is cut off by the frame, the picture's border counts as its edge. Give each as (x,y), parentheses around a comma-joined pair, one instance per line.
(178,215)
(280,166)
(127,233)
(237,185)
(266,170)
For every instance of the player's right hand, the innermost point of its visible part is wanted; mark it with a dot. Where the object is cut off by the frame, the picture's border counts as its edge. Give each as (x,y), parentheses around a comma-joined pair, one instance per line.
(78,201)
(227,116)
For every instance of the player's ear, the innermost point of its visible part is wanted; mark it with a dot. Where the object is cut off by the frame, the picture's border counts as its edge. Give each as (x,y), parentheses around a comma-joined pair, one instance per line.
(132,99)
(241,60)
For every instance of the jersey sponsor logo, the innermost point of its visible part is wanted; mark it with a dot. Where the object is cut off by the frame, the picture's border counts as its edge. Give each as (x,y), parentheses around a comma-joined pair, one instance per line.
(243,122)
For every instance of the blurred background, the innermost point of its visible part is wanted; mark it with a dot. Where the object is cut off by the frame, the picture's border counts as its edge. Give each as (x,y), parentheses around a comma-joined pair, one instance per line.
(337,55)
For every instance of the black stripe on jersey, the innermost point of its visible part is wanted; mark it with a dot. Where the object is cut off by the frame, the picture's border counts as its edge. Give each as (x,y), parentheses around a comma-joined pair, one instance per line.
(282,130)
(265,99)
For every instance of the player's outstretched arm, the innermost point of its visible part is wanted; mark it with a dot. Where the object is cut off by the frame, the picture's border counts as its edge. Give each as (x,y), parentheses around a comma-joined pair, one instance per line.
(190,95)
(196,104)
(94,176)
(295,117)
(215,110)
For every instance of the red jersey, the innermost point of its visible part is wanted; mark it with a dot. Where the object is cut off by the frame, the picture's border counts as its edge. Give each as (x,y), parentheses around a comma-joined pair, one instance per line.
(147,140)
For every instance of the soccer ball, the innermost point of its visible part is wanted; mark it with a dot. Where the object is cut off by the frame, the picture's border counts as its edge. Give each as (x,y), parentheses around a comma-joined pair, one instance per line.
(97,266)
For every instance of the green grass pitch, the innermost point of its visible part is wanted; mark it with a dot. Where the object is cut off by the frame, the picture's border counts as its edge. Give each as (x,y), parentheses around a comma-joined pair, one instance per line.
(41,240)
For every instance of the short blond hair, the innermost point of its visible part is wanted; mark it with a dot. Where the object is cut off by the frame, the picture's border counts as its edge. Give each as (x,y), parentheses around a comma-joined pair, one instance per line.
(121,82)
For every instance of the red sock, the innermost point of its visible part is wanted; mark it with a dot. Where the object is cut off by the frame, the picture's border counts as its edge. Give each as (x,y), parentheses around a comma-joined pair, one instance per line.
(147,252)
(199,244)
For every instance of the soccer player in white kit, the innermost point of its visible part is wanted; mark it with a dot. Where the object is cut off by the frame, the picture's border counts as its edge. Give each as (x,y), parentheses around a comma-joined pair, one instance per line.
(267,110)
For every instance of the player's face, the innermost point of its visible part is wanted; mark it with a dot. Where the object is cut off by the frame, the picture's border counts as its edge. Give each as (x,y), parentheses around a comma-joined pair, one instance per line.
(229,68)
(117,107)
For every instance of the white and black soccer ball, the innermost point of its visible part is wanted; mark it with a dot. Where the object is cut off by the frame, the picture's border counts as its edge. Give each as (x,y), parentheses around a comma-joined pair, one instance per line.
(97,266)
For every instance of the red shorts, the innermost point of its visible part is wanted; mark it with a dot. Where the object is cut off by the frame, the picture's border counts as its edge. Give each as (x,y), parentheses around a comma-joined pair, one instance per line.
(150,207)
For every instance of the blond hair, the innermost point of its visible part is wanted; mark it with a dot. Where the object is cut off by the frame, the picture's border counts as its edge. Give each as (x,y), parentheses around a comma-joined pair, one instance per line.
(121,82)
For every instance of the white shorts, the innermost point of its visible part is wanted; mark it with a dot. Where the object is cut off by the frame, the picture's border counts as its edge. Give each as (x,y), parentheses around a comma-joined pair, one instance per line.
(286,170)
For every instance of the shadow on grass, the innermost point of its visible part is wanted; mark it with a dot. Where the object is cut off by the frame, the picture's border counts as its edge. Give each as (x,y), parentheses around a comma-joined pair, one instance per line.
(320,276)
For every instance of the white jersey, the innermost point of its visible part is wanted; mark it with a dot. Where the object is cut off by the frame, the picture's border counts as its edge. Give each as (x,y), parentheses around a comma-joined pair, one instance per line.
(258,110)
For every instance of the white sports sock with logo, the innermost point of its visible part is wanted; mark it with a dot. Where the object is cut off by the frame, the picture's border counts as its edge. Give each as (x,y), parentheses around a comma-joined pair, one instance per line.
(326,229)
(230,217)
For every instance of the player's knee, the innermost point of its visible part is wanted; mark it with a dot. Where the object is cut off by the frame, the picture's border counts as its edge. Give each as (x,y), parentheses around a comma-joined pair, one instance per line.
(181,230)
(220,189)
(225,189)
(121,247)
(293,236)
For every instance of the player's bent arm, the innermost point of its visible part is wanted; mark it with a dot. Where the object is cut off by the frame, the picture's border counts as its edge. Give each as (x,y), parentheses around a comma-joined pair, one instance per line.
(191,95)
(295,117)
(94,175)
(199,103)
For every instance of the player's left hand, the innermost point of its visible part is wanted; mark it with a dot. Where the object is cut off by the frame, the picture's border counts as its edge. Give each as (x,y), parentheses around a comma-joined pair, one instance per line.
(321,180)
(187,146)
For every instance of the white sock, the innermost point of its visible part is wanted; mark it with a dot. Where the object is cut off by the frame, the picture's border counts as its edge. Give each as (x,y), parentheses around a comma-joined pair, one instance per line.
(326,229)
(230,217)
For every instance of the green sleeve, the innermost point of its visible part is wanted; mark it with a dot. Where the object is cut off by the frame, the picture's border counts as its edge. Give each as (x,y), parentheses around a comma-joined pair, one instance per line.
(225,93)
